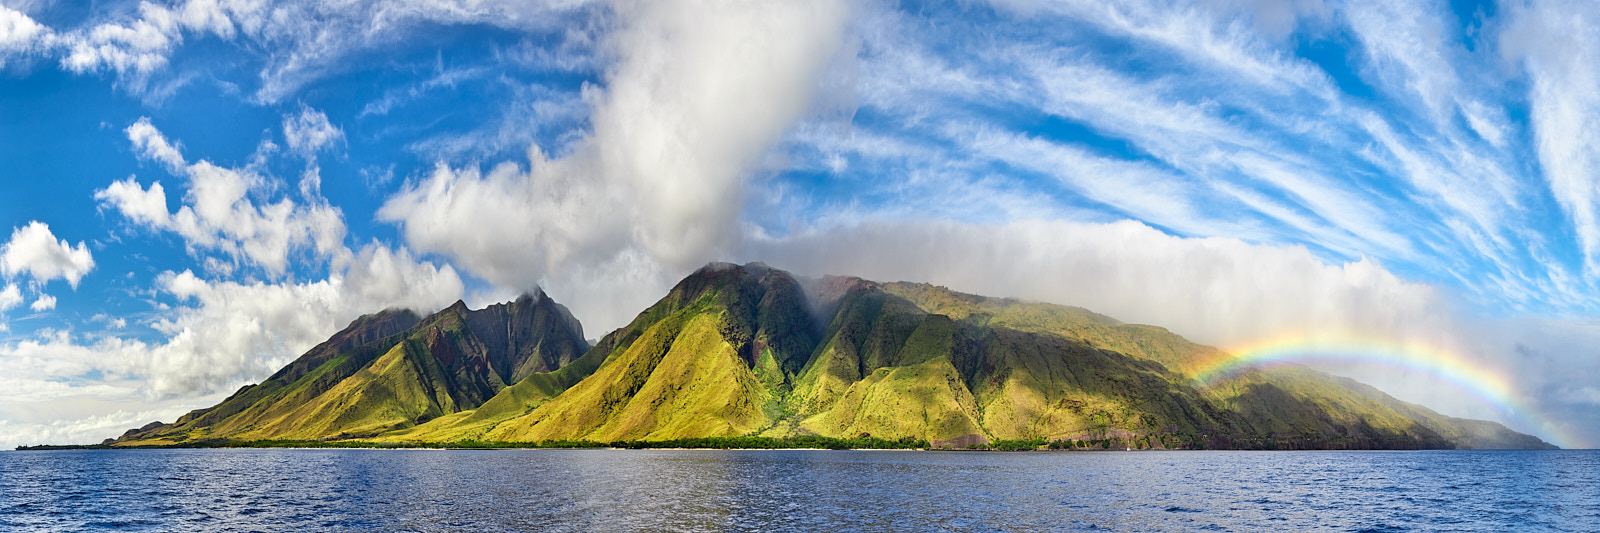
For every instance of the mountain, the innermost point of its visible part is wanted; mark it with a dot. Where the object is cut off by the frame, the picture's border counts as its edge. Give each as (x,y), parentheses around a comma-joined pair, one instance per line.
(713,358)
(751,350)
(389,371)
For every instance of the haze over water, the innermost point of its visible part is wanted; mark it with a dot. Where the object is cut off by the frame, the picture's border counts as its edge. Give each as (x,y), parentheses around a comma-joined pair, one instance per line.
(706,490)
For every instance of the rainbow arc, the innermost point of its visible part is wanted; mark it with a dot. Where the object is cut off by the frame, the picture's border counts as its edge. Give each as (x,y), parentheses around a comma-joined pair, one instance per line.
(1487,384)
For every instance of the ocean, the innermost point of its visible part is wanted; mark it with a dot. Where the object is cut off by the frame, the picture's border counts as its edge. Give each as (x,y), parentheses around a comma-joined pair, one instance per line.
(796,490)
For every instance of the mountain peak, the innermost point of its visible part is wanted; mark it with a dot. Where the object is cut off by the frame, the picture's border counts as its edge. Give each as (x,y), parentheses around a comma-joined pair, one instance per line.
(748,349)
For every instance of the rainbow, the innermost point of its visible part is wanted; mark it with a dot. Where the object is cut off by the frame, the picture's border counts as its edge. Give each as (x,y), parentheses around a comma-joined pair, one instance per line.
(1486,384)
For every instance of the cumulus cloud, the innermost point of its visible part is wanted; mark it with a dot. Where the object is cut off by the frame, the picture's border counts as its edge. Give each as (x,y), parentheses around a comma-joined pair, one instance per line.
(234,332)
(219,212)
(146,207)
(151,144)
(225,333)
(699,92)
(19,33)
(10,297)
(34,250)
(45,302)
(310,132)
(222,331)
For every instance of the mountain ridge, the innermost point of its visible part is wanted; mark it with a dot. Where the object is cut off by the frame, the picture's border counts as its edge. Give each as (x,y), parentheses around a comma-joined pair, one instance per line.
(749,350)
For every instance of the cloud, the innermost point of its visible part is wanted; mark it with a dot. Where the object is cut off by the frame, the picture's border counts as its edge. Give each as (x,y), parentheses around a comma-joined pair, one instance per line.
(111,322)
(10,297)
(296,41)
(698,94)
(219,213)
(146,207)
(310,132)
(233,332)
(151,144)
(44,303)
(139,47)
(223,332)
(1213,290)
(1553,43)
(87,430)
(34,250)
(19,33)
(1223,292)
(443,78)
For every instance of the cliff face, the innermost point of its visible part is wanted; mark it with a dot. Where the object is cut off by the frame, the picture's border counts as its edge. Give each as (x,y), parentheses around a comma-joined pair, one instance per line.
(745,350)
(388,371)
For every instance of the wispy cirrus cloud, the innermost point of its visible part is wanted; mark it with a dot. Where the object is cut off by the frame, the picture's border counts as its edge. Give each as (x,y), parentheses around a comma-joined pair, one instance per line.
(296,41)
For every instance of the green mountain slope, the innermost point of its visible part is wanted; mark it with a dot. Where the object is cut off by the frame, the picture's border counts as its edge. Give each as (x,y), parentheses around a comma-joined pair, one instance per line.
(710,359)
(749,350)
(920,361)
(389,371)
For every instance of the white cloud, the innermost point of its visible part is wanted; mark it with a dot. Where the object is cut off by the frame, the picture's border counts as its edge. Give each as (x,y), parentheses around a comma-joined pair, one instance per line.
(1208,34)
(135,48)
(113,323)
(88,430)
(697,95)
(44,303)
(33,250)
(1553,41)
(1213,290)
(1406,43)
(1133,187)
(310,132)
(225,332)
(144,207)
(300,40)
(151,144)
(236,332)
(19,33)
(10,297)
(219,213)
(222,334)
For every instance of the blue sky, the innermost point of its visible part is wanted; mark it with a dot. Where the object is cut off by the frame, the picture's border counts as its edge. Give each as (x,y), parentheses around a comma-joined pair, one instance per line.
(1417,172)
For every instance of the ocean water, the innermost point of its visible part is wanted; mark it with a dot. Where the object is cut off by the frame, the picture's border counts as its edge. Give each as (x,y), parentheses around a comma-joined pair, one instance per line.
(796,490)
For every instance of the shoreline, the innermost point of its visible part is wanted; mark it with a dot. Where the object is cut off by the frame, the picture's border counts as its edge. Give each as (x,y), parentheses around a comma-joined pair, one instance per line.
(603,446)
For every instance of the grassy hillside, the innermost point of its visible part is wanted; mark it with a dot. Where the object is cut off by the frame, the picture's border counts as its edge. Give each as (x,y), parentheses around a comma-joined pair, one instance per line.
(387,372)
(744,352)
(711,359)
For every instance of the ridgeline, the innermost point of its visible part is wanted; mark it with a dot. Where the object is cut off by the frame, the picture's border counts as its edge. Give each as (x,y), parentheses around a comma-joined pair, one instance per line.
(752,357)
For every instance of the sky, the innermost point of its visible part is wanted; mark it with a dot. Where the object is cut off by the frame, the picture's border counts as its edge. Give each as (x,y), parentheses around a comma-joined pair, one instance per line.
(198,191)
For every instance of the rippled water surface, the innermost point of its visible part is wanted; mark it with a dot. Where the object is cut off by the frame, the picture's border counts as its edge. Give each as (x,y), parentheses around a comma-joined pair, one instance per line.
(702,490)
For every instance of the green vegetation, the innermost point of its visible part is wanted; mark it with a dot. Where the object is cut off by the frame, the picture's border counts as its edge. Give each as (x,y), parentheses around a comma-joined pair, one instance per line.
(744,357)
(388,372)
(722,443)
